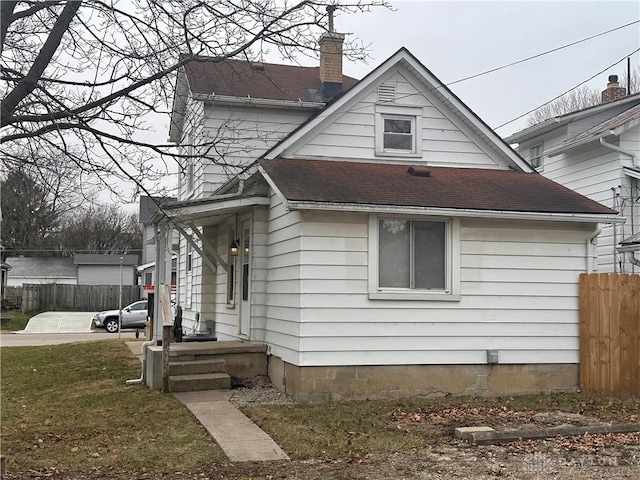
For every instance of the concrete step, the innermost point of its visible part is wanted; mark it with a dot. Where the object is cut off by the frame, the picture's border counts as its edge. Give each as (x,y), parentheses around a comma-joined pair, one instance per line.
(201,381)
(197,366)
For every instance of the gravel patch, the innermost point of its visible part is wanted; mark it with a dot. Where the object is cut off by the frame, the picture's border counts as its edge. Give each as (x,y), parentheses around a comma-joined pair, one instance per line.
(259,391)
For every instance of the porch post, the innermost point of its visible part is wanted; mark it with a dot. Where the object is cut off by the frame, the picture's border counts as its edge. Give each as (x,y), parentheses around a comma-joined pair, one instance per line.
(161,267)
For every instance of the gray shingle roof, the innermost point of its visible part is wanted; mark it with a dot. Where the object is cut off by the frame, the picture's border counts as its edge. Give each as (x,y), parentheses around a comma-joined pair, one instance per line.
(149,206)
(42,267)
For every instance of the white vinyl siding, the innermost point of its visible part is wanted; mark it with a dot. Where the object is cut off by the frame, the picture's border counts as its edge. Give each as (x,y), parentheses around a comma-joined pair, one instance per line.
(441,141)
(519,295)
(241,135)
(105,275)
(591,171)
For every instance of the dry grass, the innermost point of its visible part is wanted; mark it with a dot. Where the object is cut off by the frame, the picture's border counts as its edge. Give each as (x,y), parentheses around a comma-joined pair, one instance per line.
(369,427)
(67,407)
(14,320)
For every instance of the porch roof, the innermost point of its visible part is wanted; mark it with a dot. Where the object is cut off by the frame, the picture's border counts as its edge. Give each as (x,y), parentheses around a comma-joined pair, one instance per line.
(212,210)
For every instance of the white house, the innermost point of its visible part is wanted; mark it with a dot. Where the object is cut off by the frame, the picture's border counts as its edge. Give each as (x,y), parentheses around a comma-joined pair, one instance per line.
(146,269)
(596,152)
(382,240)
(101,269)
(37,270)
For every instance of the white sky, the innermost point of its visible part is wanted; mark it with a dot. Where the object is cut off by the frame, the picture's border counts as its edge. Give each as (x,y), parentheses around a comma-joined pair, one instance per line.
(458,39)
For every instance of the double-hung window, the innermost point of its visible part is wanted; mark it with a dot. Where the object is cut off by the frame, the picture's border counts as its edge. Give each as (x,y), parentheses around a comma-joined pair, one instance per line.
(414,258)
(398,131)
(535,156)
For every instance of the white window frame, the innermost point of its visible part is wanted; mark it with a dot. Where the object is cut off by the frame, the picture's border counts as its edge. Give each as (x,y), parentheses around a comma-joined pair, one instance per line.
(231,280)
(414,114)
(539,156)
(190,167)
(450,293)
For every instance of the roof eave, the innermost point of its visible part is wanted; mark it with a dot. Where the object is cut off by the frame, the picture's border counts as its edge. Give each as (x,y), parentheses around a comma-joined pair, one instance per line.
(551,123)
(259,102)
(455,212)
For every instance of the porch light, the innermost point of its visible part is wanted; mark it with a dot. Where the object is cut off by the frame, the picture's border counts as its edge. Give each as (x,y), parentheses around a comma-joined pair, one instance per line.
(233,248)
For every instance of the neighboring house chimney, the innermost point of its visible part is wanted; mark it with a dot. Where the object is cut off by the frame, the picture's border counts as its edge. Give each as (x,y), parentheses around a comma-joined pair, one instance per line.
(330,60)
(614,91)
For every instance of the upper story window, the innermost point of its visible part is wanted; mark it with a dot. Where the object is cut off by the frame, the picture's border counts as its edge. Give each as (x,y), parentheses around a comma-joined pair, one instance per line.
(398,130)
(399,133)
(190,162)
(535,156)
(414,259)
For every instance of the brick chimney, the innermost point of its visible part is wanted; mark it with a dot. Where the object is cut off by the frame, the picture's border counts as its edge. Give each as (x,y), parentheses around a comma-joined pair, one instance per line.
(614,91)
(330,60)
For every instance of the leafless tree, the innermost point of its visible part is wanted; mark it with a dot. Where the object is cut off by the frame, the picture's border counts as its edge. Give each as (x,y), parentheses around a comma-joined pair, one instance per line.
(101,229)
(579,98)
(82,77)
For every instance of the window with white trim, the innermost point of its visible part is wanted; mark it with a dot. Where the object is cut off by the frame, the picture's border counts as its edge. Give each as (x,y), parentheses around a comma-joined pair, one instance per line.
(190,163)
(535,156)
(231,272)
(398,131)
(414,258)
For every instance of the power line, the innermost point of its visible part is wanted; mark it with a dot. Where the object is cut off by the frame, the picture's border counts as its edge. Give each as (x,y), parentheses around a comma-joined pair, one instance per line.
(572,88)
(541,54)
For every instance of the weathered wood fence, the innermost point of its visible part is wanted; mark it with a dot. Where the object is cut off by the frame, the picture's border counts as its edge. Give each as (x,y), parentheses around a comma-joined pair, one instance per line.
(610,333)
(80,298)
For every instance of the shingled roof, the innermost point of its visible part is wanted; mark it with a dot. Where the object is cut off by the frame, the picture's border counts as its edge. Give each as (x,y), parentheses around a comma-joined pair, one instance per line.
(269,81)
(445,187)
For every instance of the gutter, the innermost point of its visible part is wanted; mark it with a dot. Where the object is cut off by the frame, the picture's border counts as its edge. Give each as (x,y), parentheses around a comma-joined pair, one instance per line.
(455,212)
(630,251)
(634,157)
(258,102)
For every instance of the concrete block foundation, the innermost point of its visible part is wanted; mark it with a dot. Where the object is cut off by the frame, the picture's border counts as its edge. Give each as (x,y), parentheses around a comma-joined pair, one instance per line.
(333,383)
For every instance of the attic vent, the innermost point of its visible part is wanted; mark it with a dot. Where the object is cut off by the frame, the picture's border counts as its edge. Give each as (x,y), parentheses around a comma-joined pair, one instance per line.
(419,171)
(386,93)
(258,66)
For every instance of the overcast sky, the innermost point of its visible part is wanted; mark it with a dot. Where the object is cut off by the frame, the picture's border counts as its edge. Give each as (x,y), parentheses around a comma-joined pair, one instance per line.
(459,39)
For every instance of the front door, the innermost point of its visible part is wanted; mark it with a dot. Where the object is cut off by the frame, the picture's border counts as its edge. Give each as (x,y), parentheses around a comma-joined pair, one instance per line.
(245,279)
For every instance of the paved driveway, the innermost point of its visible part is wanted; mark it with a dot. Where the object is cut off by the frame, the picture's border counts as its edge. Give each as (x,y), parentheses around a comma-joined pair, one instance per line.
(60,322)
(52,328)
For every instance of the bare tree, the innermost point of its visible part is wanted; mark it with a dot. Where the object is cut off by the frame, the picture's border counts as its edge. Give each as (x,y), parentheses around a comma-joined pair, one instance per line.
(101,229)
(29,219)
(577,99)
(81,77)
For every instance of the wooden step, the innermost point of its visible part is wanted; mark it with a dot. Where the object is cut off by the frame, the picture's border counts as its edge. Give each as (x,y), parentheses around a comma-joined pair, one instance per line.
(197,366)
(198,382)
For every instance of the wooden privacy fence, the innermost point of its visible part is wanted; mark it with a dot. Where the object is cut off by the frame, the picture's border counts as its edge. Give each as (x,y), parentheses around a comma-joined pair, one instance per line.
(80,298)
(610,333)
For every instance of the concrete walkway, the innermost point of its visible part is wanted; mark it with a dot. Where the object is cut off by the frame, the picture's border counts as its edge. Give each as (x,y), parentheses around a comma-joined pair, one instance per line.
(239,438)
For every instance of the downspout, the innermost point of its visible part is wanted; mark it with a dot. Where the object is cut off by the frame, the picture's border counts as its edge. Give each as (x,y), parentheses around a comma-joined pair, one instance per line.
(591,248)
(636,163)
(633,259)
(140,381)
(634,158)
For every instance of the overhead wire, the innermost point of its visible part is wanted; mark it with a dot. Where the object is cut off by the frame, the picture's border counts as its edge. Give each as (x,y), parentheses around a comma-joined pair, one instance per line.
(566,92)
(542,54)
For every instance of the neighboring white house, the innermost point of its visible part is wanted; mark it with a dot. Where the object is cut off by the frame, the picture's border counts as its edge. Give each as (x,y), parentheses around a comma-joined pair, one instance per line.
(146,269)
(382,240)
(99,269)
(36,270)
(596,152)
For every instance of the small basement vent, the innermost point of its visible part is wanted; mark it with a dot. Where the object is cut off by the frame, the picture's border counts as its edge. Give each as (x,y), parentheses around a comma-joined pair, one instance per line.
(386,93)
